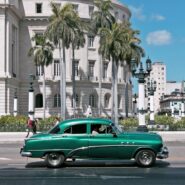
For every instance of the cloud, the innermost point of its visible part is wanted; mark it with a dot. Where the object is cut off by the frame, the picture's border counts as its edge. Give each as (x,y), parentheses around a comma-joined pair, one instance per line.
(160,37)
(158,17)
(137,12)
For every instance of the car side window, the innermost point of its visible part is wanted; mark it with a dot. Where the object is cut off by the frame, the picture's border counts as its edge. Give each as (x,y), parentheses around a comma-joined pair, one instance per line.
(100,129)
(76,129)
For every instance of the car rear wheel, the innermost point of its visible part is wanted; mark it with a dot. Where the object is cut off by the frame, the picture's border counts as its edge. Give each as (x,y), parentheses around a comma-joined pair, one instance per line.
(54,159)
(145,158)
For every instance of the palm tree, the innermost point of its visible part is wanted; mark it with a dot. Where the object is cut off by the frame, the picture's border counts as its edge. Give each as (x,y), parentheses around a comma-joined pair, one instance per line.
(61,28)
(101,18)
(43,56)
(134,51)
(78,40)
(114,46)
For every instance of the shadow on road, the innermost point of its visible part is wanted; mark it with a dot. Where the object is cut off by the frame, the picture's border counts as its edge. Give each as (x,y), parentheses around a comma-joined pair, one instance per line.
(97,163)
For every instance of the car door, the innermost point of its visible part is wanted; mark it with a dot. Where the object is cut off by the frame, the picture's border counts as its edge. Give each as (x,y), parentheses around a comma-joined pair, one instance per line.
(76,140)
(72,140)
(104,144)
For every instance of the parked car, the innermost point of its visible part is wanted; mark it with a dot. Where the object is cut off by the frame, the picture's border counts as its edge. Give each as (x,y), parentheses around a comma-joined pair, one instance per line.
(92,138)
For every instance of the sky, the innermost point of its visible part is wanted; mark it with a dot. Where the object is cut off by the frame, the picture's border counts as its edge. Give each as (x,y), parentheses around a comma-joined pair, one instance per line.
(162,31)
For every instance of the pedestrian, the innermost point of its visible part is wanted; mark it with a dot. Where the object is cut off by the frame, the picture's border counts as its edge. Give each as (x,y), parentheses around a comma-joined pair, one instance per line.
(89,112)
(31,126)
(34,126)
(57,121)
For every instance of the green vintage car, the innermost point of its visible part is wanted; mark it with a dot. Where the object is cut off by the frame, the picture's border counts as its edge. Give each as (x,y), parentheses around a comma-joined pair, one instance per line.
(92,138)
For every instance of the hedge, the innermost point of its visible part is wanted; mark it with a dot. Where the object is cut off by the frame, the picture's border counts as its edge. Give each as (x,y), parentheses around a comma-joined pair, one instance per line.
(10,123)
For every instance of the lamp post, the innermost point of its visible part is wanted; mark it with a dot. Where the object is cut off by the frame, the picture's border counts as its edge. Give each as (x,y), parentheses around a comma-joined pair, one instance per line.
(135,105)
(151,89)
(15,103)
(172,110)
(141,75)
(31,98)
(182,105)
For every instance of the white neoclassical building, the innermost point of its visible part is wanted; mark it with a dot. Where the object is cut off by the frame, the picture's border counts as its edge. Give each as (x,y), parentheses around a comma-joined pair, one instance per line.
(22,19)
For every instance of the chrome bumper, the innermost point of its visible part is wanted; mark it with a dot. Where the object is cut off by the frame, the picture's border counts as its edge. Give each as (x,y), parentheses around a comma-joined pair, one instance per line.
(163,154)
(25,154)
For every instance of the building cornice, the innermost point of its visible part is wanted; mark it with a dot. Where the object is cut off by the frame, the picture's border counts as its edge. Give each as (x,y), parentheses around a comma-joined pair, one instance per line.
(36,18)
(13,9)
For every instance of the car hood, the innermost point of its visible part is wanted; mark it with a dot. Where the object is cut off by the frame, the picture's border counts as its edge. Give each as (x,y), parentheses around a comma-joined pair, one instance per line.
(39,135)
(141,136)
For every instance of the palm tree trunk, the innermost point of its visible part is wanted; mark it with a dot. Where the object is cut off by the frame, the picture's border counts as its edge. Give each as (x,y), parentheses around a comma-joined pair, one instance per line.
(44,94)
(100,86)
(113,93)
(64,81)
(116,92)
(114,111)
(73,80)
(61,81)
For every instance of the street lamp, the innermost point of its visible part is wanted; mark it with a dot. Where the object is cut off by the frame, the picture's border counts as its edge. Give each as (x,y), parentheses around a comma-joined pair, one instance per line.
(31,97)
(135,104)
(141,75)
(151,89)
(182,105)
(15,103)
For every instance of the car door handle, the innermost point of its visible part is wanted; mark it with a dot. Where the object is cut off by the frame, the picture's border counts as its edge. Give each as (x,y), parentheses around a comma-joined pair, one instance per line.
(64,136)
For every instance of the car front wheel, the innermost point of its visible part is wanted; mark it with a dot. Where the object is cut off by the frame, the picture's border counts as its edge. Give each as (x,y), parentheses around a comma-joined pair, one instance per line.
(54,160)
(145,158)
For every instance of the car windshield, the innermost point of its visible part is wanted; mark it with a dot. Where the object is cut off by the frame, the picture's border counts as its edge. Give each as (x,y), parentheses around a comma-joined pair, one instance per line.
(54,130)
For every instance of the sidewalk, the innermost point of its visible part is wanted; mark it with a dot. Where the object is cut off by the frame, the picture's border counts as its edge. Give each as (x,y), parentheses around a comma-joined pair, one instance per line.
(12,137)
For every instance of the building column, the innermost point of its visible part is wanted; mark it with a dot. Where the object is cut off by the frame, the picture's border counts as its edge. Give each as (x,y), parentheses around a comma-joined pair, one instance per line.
(141,105)
(31,107)
(151,109)
(15,104)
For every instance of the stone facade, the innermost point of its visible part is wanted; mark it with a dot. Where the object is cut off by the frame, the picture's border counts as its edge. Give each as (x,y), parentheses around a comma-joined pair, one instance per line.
(22,19)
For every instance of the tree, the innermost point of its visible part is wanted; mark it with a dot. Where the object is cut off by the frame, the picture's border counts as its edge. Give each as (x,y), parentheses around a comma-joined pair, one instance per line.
(134,51)
(78,40)
(43,56)
(61,28)
(101,18)
(114,46)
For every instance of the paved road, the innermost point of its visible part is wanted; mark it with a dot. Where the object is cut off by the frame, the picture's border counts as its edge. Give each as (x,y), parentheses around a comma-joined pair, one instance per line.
(17,170)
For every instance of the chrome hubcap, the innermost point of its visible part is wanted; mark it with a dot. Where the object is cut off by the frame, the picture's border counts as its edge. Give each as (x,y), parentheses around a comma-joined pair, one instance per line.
(146,158)
(54,158)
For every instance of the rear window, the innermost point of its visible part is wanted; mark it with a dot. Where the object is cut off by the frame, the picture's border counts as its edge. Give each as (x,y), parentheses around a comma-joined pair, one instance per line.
(76,129)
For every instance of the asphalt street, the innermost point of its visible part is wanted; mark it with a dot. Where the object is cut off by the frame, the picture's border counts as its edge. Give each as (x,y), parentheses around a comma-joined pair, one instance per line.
(15,169)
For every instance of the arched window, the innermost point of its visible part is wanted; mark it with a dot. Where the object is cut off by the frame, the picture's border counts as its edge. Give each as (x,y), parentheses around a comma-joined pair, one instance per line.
(57,101)
(92,100)
(106,100)
(39,101)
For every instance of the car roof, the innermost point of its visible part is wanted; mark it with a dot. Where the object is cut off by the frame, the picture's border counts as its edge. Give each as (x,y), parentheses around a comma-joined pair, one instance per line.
(86,120)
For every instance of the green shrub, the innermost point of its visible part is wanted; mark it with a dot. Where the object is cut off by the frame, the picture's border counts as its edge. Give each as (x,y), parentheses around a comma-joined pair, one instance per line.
(18,123)
(166,121)
(10,123)
(180,124)
(129,123)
